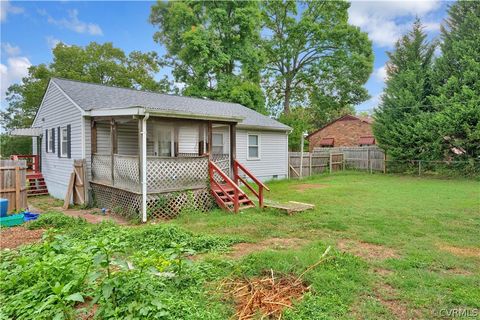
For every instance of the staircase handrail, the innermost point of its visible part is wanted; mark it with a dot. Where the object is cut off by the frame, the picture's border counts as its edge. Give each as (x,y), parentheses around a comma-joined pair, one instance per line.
(237,191)
(237,165)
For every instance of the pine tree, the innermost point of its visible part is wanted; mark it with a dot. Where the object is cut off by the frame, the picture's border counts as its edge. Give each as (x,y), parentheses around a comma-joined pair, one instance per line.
(457,85)
(403,113)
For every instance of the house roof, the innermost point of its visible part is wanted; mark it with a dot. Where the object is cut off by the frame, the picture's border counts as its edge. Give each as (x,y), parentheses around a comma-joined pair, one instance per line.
(90,97)
(347,117)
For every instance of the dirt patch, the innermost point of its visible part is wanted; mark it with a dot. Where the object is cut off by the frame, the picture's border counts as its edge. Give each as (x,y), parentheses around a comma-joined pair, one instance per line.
(265,296)
(241,249)
(367,251)
(14,237)
(85,311)
(382,272)
(388,297)
(307,186)
(461,252)
(95,216)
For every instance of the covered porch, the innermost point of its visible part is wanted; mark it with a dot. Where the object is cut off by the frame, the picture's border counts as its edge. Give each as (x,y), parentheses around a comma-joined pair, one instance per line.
(157,166)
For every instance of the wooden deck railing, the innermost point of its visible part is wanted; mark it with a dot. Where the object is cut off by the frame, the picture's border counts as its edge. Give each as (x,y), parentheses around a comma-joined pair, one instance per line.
(237,168)
(33,162)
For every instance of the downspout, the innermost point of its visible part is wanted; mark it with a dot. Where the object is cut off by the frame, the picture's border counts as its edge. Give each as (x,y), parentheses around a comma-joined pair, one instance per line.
(144,167)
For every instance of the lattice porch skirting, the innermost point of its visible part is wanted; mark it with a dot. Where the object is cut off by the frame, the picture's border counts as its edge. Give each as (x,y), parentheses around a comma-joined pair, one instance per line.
(159,205)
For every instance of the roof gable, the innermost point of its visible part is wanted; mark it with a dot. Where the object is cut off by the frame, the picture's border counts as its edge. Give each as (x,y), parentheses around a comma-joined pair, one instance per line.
(347,117)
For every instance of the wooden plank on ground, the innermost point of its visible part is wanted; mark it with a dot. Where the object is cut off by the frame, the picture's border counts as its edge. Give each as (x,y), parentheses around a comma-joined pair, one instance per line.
(68,196)
(290,207)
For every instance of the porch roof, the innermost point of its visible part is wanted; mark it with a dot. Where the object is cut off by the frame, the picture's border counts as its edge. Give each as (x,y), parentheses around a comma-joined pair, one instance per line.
(97,99)
(27,132)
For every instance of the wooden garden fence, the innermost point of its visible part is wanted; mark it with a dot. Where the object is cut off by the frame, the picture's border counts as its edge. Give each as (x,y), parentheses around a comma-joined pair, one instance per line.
(334,159)
(13,183)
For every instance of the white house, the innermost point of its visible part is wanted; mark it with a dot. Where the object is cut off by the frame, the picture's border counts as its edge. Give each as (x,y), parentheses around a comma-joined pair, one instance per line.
(152,153)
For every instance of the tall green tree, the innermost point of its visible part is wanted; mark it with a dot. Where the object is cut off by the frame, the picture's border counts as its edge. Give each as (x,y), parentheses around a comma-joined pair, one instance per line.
(456,94)
(402,119)
(313,55)
(98,63)
(213,48)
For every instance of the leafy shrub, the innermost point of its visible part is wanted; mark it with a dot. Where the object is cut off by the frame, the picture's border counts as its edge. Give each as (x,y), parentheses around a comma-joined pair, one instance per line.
(127,273)
(55,220)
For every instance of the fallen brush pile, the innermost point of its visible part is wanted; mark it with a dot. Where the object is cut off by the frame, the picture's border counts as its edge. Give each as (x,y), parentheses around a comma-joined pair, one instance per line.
(265,296)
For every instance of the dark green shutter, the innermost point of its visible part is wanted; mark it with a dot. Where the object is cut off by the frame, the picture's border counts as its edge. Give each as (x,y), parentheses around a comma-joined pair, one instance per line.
(69,144)
(53,140)
(58,142)
(46,140)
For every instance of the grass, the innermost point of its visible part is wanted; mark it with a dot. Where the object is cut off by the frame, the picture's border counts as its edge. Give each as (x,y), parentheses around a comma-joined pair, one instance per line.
(427,222)
(428,227)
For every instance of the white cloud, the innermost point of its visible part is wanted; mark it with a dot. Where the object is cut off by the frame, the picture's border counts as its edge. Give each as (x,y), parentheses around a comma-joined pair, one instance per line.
(74,24)
(370,104)
(431,26)
(13,72)
(52,42)
(6,7)
(10,50)
(381,73)
(385,21)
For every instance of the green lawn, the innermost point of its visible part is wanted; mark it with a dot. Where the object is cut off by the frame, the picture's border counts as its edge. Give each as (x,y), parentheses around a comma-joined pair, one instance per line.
(402,248)
(431,226)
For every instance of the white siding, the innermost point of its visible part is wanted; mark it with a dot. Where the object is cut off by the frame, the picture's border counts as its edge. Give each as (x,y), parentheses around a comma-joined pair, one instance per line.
(128,138)
(188,138)
(57,111)
(103,137)
(273,154)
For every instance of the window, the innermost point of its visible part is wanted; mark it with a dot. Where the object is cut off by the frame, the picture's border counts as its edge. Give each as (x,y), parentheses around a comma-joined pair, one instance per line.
(51,140)
(253,147)
(366,141)
(63,142)
(217,143)
(327,142)
(164,142)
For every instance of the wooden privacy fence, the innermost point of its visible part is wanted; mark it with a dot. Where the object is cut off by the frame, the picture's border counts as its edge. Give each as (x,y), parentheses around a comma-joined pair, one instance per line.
(313,163)
(333,159)
(13,180)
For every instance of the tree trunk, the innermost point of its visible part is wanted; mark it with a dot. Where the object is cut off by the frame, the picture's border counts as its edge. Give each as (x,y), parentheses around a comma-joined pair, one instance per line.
(286,101)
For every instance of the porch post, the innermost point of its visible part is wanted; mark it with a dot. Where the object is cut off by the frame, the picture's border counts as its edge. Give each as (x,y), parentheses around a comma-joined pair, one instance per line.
(233,150)
(113,147)
(143,164)
(209,142)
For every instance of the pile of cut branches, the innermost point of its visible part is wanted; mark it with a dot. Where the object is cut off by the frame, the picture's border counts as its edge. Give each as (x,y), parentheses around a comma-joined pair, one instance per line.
(266,297)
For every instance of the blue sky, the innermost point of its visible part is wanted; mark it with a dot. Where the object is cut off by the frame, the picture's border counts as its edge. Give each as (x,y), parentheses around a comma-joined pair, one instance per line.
(29,30)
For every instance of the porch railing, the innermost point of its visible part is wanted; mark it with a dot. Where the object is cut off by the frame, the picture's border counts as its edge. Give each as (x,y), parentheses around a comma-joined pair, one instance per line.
(170,174)
(163,174)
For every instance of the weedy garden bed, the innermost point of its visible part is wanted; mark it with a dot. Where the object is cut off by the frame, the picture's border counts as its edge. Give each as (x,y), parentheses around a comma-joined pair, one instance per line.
(114,272)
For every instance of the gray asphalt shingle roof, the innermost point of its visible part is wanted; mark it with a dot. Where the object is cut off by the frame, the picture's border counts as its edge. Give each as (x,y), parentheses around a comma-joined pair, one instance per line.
(90,96)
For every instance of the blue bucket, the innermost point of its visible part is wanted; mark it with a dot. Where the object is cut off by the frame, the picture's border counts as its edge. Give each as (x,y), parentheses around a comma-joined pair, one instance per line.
(3,207)
(30,216)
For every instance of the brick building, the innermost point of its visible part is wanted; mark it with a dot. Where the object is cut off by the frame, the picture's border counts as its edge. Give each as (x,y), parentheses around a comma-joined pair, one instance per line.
(346,131)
